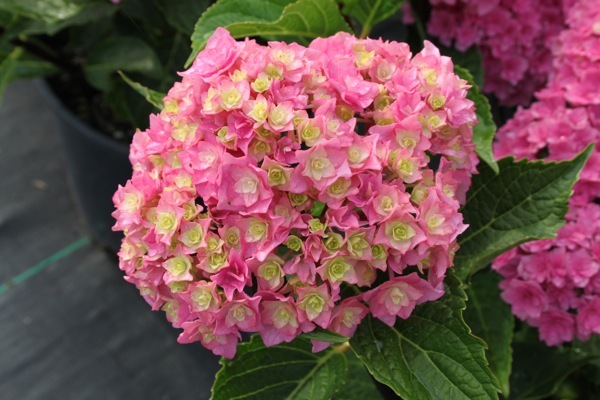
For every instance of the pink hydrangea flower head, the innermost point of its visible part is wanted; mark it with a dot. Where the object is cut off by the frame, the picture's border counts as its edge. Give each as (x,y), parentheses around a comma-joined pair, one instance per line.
(553,284)
(277,175)
(515,38)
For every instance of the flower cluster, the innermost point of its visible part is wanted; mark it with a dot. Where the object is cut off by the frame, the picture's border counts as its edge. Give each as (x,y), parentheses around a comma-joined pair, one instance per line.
(285,188)
(514,37)
(555,284)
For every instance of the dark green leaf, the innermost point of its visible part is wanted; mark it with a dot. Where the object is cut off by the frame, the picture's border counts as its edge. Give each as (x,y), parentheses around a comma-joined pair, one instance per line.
(51,16)
(370,12)
(128,107)
(183,14)
(538,370)
(317,209)
(7,67)
(301,20)
(120,53)
(483,132)
(470,59)
(48,11)
(524,201)
(153,97)
(359,383)
(431,355)
(227,12)
(287,371)
(324,335)
(491,319)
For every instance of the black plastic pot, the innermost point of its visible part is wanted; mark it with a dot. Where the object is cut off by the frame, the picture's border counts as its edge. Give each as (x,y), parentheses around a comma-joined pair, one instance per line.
(96,164)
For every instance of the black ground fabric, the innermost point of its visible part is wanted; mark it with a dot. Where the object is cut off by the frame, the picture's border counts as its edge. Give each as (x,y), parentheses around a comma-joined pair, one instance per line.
(70,327)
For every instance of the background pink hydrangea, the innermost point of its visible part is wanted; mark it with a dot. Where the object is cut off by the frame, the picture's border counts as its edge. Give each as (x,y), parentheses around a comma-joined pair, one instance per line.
(555,284)
(277,177)
(515,38)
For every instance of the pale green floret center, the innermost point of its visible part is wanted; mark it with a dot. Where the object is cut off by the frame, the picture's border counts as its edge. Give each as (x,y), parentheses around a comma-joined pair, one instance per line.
(336,269)
(339,187)
(178,287)
(178,266)
(297,199)
(165,222)
(259,112)
(232,238)
(222,136)
(315,225)
(407,142)
(277,116)
(276,176)
(212,244)
(171,309)
(387,204)
(310,133)
(239,313)
(132,202)
(354,154)
(402,231)
(231,98)
(261,83)
(333,241)
(435,221)
(256,231)
(313,305)
(269,271)
(344,112)
(430,77)
(217,260)
(348,319)
(319,163)
(397,296)
(378,251)
(357,244)
(203,298)
(261,147)
(193,237)
(406,167)
(246,185)
(293,242)
(282,318)
(418,195)
(437,101)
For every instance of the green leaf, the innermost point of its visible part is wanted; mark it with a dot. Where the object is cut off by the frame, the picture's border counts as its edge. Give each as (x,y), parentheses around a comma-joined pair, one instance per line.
(183,14)
(483,132)
(48,11)
(15,64)
(7,67)
(301,20)
(287,371)
(317,209)
(431,355)
(127,107)
(370,12)
(324,335)
(359,383)
(491,319)
(227,12)
(524,201)
(539,370)
(470,59)
(51,16)
(153,97)
(120,53)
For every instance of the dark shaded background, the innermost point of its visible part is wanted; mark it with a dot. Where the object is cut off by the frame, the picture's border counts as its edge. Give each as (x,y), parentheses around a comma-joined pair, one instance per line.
(70,327)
